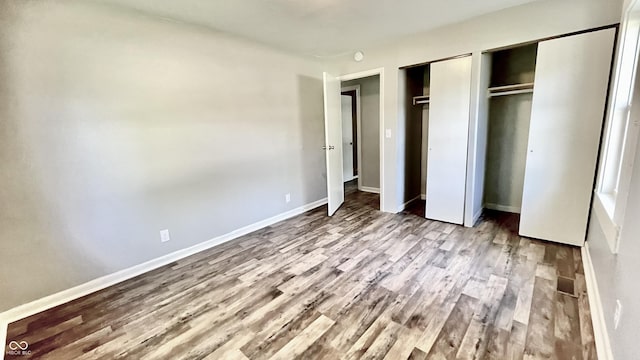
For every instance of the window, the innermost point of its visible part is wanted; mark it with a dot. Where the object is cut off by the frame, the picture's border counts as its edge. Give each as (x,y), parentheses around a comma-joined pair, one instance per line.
(609,206)
(619,113)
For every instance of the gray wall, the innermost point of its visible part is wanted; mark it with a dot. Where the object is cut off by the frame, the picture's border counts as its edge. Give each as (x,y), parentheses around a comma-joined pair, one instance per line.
(114,125)
(617,275)
(424,151)
(509,118)
(370,132)
(508,126)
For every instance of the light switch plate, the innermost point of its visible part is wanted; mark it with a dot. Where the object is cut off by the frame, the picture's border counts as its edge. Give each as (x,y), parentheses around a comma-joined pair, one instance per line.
(387,133)
(164,235)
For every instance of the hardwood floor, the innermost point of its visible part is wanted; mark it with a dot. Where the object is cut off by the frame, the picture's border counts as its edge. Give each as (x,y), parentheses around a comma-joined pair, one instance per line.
(362,284)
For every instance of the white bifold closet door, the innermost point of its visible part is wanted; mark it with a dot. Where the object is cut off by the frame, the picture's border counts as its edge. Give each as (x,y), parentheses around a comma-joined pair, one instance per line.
(570,92)
(449,100)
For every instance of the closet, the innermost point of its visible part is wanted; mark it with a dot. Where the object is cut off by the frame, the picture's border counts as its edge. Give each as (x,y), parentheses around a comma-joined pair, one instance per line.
(541,110)
(440,96)
(508,98)
(415,133)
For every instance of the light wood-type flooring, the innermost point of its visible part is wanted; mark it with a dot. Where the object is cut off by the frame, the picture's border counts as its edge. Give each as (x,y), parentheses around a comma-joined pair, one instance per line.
(359,285)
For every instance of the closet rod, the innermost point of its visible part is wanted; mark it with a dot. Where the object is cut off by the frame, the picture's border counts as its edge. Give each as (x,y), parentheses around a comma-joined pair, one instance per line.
(512,92)
(511,87)
(421,100)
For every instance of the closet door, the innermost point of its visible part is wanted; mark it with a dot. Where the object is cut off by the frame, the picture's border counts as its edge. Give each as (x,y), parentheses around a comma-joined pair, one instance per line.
(450,95)
(571,80)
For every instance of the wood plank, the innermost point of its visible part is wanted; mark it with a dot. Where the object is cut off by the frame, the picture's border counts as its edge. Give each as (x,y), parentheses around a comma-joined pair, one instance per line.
(475,341)
(353,262)
(454,329)
(540,333)
(302,342)
(360,284)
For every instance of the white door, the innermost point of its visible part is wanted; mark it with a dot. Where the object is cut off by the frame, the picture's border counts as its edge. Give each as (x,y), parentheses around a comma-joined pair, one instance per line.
(449,99)
(333,141)
(570,91)
(347,138)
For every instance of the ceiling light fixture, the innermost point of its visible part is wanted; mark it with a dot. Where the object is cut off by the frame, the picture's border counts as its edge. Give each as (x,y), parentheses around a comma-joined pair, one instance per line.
(358,56)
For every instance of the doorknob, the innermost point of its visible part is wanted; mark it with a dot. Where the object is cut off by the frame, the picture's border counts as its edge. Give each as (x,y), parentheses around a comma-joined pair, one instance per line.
(324,147)
(331,147)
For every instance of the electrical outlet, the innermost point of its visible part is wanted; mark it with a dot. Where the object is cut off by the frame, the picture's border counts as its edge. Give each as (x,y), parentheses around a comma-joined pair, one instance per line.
(287,197)
(617,314)
(164,235)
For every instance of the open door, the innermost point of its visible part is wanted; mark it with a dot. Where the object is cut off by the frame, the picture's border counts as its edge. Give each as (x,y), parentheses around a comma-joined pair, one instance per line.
(333,141)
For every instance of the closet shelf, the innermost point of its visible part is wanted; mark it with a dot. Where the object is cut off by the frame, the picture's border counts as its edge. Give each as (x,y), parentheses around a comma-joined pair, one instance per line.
(511,89)
(421,100)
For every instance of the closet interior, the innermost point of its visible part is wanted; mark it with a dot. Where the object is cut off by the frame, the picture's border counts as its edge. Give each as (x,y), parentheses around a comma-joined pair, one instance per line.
(508,83)
(416,135)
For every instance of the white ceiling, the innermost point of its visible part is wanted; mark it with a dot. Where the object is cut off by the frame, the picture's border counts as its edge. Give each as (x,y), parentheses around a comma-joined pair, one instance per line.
(319,27)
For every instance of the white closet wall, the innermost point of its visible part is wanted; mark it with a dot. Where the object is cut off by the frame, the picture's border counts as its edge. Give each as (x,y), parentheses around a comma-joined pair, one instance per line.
(475,206)
(571,81)
(450,96)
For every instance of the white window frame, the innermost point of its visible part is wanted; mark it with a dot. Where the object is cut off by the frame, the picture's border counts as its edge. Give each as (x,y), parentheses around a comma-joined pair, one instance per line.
(621,132)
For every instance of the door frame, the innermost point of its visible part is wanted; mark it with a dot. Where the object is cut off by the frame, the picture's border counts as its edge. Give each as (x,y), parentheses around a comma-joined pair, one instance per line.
(360,75)
(358,149)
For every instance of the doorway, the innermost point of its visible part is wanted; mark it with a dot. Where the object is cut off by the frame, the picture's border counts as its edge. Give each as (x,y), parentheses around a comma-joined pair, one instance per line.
(361,137)
(363,160)
(350,132)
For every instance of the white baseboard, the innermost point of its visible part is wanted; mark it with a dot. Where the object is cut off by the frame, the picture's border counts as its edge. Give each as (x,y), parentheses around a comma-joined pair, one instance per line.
(370,189)
(476,216)
(505,208)
(404,206)
(50,301)
(423,196)
(600,334)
